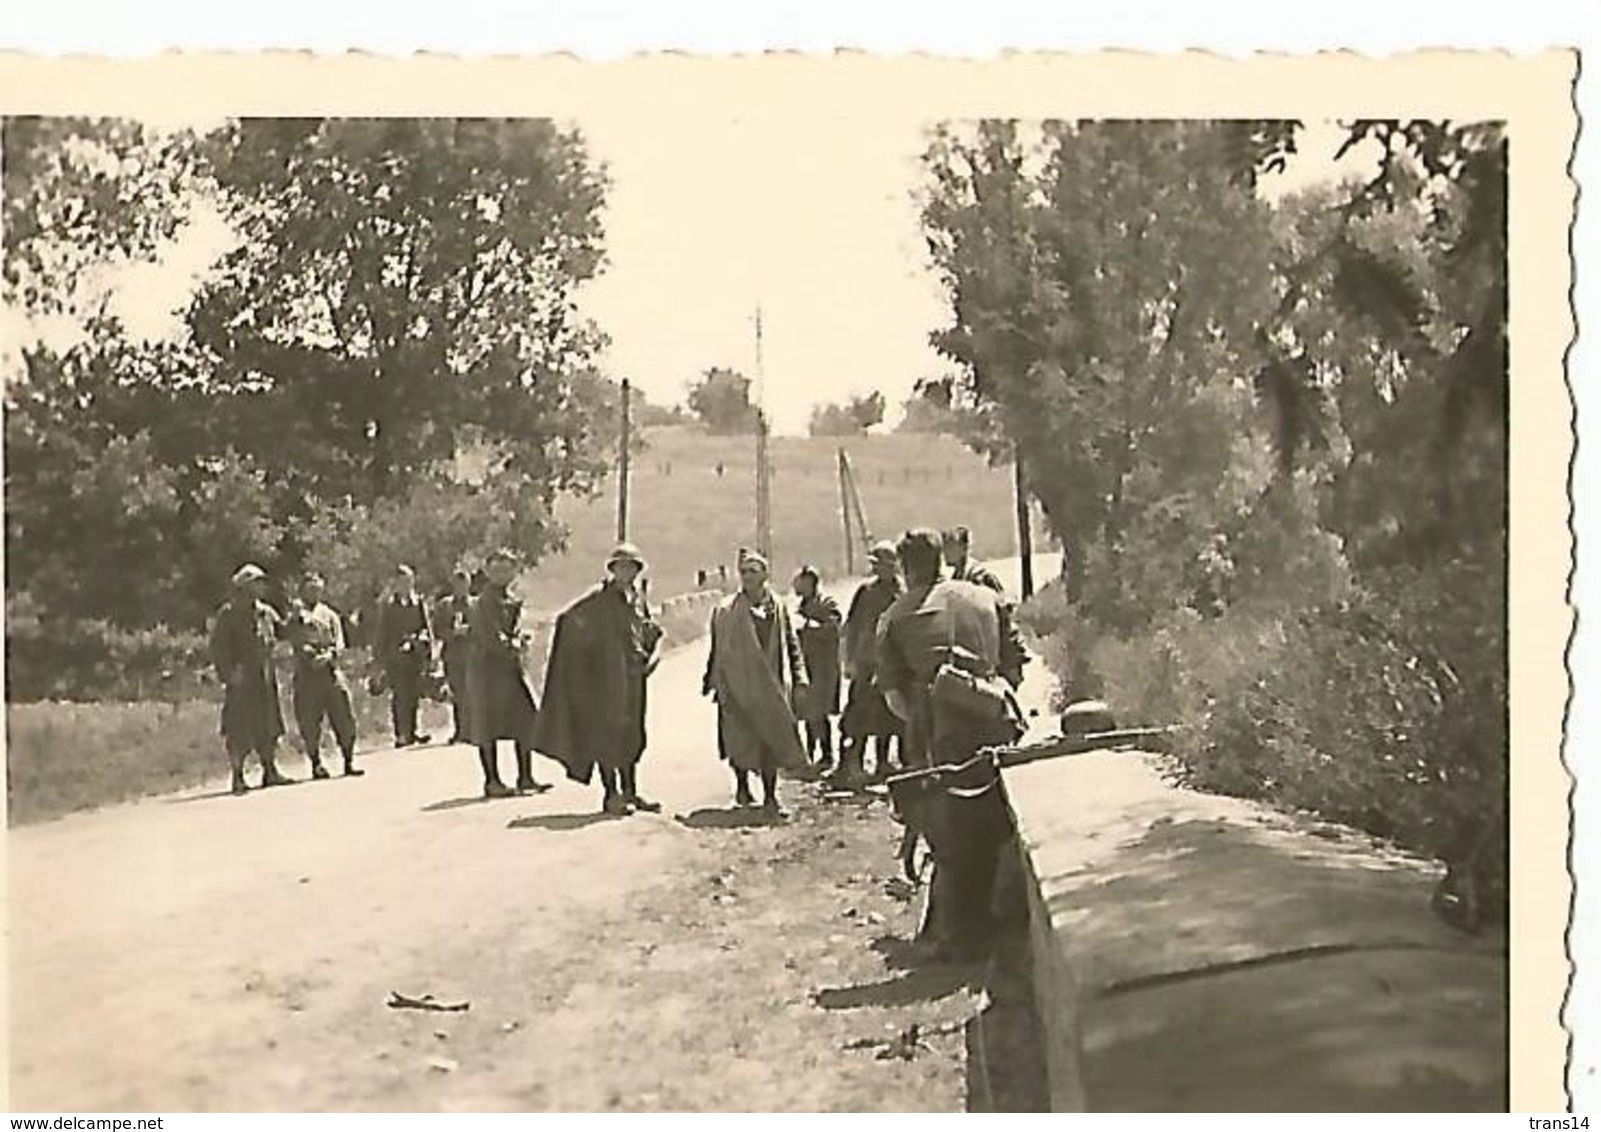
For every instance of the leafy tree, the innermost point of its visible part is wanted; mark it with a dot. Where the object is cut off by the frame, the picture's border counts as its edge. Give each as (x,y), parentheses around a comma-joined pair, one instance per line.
(435,526)
(398,291)
(946,405)
(721,399)
(854,418)
(867,411)
(398,283)
(79,195)
(929,408)
(1105,310)
(648,414)
(1272,438)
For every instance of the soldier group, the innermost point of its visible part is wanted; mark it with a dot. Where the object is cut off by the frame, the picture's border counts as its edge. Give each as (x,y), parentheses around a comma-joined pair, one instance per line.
(772,673)
(847,647)
(923,660)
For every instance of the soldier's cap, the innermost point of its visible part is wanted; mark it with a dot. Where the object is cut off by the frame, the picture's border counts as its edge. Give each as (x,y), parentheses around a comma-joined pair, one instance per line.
(883,552)
(625,552)
(749,557)
(958,534)
(248,573)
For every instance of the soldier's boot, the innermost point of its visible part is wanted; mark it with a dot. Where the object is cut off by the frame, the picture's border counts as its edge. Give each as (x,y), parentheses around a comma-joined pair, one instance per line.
(848,772)
(351,769)
(318,771)
(770,807)
(742,794)
(613,800)
(493,786)
(270,775)
(826,763)
(526,783)
(237,763)
(629,783)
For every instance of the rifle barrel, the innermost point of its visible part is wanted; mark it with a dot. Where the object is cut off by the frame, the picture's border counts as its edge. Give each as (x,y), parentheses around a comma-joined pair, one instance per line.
(1060,747)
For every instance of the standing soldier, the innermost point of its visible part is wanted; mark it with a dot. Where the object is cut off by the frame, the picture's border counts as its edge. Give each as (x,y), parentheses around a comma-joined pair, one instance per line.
(593,713)
(498,695)
(820,621)
(952,634)
(867,717)
(320,688)
(452,619)
(406,650)
(242,639)
(756,674)
(956,547)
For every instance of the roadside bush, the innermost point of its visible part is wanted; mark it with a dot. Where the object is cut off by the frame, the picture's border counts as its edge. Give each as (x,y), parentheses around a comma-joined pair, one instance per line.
(1378,712)
(54,658)
(433,527)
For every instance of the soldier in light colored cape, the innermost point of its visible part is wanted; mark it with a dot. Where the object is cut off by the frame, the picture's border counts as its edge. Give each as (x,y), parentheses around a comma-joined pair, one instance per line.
(592,714)
(242,639)
(757,674)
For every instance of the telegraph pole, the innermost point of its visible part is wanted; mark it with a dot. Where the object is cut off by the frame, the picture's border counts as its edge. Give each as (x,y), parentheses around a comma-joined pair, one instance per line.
(1025,532)
(845,513)
(623,458)
(764,499)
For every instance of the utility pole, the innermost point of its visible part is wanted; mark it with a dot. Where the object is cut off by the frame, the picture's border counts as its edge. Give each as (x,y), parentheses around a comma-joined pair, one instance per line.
(863,531)
(764,514)
(764,500)
(623,457)
(1025,532)
(845,513)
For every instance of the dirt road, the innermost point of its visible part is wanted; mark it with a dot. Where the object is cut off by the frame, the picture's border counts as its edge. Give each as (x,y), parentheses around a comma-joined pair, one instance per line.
(202,952)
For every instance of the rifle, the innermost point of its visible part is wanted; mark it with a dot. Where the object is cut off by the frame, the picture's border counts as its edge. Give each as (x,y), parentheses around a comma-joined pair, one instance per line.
(1004,758)
(981,773)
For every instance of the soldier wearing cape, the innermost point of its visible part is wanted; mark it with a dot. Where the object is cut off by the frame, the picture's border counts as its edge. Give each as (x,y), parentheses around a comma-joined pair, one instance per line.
(602,652)
(757,675)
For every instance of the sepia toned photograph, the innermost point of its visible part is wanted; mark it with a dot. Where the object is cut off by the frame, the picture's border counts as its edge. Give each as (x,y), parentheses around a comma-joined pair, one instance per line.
(668,587)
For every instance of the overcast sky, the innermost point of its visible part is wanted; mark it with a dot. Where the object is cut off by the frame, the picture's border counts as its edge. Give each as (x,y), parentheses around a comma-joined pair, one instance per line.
(813,218)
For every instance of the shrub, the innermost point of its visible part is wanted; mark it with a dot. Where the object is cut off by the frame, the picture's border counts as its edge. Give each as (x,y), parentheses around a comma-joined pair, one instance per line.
(64,659)
(1363,712)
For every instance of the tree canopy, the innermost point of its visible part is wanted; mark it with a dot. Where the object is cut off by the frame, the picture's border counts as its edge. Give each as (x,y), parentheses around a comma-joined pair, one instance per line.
(393,294)
(721,399)
(1270,433)
(852,418)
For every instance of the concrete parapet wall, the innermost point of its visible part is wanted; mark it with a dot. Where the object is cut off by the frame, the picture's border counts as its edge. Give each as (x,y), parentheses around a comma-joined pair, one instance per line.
(1201,953)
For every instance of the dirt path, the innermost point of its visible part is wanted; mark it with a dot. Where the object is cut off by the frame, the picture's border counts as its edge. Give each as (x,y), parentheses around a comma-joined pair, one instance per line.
(202,952)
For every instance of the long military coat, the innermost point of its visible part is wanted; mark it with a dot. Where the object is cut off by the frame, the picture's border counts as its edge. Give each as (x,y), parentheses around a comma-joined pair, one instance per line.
(500,703)
(242,638)
(593,709)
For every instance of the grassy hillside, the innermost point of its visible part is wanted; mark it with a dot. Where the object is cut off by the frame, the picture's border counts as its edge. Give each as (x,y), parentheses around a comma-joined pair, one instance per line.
(687,517)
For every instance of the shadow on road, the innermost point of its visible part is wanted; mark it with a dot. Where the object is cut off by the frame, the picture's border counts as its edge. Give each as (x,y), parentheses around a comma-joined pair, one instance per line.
(562,822)
(225,792)
(899,954)
(925,984)
(737,817)
(206,797)
(462,803)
